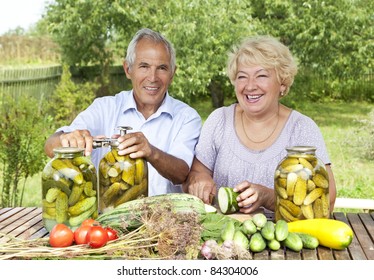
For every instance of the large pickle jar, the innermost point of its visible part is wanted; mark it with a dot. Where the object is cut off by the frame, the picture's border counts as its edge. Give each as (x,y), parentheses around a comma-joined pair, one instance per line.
(301,186)
(121,178)
(69,189)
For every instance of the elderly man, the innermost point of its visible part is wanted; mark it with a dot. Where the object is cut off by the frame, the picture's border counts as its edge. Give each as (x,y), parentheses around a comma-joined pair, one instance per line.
(165,130)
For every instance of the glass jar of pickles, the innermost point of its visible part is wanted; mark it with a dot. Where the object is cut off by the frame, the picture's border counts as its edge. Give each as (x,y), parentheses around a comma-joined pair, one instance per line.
(121,178)
(69,189)
(301,186)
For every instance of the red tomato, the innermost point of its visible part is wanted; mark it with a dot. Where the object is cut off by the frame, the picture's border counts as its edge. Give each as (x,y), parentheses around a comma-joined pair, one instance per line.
(80,234)
(97,237)
(61,236)
(112,233)
(89,222)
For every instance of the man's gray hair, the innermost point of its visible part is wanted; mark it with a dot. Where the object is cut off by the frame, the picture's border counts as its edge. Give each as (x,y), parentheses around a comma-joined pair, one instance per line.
(155,37)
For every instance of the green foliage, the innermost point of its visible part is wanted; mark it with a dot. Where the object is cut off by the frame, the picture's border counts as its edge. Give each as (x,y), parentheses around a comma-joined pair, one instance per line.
(23,129)
(70,98)
(201,31)
(365,136)
(333,37)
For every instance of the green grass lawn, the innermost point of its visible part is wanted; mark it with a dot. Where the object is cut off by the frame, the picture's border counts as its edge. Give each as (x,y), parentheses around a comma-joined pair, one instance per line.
(339,123)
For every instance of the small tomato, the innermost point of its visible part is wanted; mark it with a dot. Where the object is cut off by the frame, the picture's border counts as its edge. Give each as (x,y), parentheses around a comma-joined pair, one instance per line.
(89,222)
(80,234)
(112,233)
(97,237)
(61,236)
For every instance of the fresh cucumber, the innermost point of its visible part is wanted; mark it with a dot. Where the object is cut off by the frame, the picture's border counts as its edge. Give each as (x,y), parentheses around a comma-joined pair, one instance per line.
(210,208)
(227,200)
(309,241)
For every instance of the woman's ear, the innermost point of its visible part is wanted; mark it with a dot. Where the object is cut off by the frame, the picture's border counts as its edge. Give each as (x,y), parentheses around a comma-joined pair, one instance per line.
(283,88)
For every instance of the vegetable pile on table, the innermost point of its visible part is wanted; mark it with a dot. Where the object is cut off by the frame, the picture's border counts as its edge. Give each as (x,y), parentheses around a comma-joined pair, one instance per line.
(176,226)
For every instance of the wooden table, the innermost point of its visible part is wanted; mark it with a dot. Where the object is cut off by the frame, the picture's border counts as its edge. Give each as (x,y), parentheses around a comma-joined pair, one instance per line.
(26,223)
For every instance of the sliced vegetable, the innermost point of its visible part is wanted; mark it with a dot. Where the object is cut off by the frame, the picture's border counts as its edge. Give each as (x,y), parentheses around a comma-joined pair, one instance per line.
(227,200)
(210,208)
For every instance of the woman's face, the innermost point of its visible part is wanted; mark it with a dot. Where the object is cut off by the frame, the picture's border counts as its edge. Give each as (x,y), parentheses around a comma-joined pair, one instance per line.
(257,89)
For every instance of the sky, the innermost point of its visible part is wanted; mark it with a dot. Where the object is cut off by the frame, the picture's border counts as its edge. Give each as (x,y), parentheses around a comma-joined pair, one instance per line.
(23,13)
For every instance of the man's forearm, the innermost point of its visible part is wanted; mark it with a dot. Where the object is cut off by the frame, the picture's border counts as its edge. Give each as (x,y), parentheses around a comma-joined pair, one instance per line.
(170,167)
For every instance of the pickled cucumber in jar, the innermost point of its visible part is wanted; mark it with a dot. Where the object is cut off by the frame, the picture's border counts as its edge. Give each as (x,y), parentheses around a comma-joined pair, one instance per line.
(301,185)
(69,189)
(121,178)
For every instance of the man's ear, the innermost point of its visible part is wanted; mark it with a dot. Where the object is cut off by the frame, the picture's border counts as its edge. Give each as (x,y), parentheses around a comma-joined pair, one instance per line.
(126,67)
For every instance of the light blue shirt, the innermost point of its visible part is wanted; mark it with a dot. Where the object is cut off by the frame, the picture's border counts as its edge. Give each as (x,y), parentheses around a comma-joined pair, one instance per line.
(174,129)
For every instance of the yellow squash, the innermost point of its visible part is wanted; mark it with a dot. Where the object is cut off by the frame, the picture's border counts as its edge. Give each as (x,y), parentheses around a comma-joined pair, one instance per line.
(330,233)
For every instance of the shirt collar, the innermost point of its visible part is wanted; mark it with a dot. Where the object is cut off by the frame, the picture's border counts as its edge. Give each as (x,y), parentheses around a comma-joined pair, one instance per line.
(166,106)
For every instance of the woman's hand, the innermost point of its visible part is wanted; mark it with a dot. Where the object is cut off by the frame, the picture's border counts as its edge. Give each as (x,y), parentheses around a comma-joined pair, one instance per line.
(200,182)
(252,196)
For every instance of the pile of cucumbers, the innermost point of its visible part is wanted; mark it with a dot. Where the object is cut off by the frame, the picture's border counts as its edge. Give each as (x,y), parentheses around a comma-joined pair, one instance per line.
(262,233)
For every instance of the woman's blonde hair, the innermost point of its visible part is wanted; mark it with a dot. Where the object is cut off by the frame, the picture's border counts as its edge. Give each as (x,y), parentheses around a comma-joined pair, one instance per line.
(267,52)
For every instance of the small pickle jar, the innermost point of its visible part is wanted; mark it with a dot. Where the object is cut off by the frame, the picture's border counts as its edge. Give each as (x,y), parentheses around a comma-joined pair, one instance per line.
(69,189)
(301,186)
(121,178)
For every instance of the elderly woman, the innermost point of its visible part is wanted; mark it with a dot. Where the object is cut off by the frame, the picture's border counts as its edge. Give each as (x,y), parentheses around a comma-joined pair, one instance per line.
(241,145)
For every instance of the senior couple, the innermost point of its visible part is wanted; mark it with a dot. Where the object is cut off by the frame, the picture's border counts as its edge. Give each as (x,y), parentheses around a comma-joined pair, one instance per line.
(238,146)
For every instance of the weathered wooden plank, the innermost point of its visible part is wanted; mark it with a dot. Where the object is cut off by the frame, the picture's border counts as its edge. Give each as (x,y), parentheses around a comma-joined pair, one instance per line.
(291,255)
(341,254)
(309,254)
(16,221)
(368,222)
(30,226)
(361,241)
(354,249)
(264,255)
(362,235)
(278,255)
(324,253)
(8,217)
(4,210)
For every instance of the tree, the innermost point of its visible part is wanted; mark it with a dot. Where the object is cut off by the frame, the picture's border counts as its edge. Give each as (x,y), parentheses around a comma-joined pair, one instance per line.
(201,31)
(331,36)
(23,130)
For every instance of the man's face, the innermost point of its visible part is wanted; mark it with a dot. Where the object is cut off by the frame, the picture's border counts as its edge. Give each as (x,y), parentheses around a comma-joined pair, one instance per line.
(151,74)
